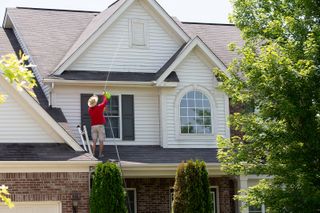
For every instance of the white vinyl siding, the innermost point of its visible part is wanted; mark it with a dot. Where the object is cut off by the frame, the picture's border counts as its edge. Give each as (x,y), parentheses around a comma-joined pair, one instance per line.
(112,50)
(195,74)
(146,110)
(20,124)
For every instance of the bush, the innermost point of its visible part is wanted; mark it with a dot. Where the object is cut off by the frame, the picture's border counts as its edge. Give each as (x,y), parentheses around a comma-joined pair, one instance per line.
(191,190)
(108,193)
(179,197)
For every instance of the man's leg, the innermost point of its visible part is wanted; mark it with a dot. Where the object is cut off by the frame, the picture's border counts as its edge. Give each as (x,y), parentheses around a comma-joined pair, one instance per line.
(94,136)
(102,137)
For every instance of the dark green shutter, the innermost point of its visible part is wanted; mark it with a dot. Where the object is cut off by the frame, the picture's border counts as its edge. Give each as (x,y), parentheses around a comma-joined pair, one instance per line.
(85,118)
(127,103)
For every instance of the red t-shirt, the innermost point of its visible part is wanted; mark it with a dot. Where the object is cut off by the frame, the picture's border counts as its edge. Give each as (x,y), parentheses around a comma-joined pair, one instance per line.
(96,113)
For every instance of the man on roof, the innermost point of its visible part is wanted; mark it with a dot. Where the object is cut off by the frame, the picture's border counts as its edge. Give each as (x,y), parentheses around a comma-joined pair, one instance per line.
(96,112)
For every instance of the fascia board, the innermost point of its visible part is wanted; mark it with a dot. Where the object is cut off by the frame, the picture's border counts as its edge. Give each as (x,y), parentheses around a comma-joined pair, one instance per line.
(45,166)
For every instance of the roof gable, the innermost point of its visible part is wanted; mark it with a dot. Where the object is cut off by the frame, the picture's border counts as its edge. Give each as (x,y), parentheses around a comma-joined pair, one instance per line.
(103,21)
(33,117)
(182,53)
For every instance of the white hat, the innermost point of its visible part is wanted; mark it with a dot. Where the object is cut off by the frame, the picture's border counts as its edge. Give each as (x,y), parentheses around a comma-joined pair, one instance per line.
(93,100)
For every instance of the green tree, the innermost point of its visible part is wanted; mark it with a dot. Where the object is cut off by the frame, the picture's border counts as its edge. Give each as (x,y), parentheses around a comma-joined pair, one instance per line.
(191,191)
(108,193)
(18,74)
(278,74)
(179,196)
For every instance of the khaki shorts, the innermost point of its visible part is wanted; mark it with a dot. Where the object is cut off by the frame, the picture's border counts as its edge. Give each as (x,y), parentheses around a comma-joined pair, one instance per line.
(97,132)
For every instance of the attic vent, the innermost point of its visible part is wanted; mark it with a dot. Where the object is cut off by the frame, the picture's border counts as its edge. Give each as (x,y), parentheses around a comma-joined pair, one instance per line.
(138,33)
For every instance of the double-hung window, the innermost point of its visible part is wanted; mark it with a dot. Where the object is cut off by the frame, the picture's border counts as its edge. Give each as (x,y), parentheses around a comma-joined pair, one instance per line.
(119,116)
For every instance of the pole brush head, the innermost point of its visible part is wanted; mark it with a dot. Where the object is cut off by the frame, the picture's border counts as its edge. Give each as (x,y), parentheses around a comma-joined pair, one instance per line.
(107,95)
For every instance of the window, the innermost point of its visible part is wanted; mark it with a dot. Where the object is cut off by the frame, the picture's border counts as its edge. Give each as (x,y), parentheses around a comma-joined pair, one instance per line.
(112,115)
(195,114)
(214,198)
(131,200)
(138,33)
(254,209)
(120,113)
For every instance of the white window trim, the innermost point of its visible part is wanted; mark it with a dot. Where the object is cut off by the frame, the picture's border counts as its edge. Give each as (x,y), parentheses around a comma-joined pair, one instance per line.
(146,34)
(195,136)
(217,196)
(120,122)
(135,198)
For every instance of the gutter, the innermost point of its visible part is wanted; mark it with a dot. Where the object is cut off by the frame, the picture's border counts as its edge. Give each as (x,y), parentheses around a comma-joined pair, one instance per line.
(111,83)
(150,170)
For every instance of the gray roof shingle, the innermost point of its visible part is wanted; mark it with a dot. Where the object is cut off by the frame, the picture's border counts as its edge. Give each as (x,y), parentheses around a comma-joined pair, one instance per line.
(157,154)
(48,34)
(216,36)
(41,152)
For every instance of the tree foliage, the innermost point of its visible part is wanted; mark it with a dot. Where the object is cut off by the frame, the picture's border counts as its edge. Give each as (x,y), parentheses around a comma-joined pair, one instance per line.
(108,193)
(278,74)
(4,196)
(17,73)
(191,190)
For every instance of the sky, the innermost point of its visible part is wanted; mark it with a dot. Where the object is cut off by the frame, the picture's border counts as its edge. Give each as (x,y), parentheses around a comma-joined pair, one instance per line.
(210,11)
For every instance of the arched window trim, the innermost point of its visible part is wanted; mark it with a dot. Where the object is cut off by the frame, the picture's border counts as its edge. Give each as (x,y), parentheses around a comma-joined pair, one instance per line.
(209,95)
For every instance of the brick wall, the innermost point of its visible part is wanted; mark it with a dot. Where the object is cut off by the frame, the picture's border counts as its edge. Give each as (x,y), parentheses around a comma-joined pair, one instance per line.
(49,187)
(153,194)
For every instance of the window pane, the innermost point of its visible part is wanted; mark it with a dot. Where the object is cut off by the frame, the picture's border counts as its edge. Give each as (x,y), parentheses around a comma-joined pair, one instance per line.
(183,112)
(200,112)
(200,121)
(191,112)
(192,129)
(206,103)
(190,95)
(130,201)
(254,209)
(206,112)
(183,103)
(198,103)
(184,121)
(191,121)
(184,129)
(191,103)
(200,129)
(198,95)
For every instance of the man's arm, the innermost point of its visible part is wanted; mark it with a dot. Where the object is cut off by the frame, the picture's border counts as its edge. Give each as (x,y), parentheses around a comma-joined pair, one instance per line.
(104,102)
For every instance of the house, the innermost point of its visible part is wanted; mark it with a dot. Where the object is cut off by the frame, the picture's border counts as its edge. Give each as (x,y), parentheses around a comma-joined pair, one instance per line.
(166,106)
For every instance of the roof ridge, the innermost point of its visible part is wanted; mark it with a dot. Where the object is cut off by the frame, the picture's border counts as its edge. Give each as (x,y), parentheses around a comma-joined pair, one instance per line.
(58,10)
(206,23)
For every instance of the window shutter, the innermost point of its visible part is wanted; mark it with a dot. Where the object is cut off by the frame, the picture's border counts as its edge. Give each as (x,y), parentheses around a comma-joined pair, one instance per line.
(127,117)
(85,118)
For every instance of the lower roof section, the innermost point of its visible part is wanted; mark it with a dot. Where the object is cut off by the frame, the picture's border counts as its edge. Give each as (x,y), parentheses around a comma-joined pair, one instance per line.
(159,155)
(41,152)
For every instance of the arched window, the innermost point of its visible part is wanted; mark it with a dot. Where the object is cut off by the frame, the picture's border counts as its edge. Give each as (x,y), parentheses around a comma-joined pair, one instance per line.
(195,113)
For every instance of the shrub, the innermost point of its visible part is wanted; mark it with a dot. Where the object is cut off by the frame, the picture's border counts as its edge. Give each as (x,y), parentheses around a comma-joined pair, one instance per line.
(108,193)
(191,189)
(179,196)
